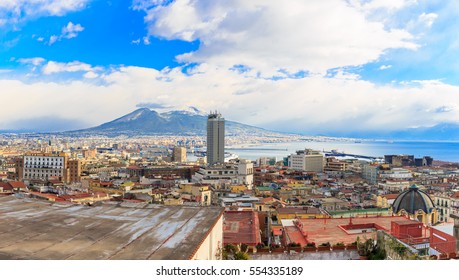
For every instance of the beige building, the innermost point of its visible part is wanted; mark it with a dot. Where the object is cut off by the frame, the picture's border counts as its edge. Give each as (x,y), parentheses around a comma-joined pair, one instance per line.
(90,153)
(179,154)
(335,165)
(385,200)
(74,171)
(443,203)
(307,160)
(197,193)
(334,204)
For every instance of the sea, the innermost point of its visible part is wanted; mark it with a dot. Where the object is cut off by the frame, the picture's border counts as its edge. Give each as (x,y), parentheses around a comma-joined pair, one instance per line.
(443,151)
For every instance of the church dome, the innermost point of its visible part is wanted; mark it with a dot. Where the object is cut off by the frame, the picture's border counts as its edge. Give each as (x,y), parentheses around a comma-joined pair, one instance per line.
(413,200)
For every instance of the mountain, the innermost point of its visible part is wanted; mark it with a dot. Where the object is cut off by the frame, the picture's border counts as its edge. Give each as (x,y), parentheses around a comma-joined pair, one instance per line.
(441,132)
(148,122)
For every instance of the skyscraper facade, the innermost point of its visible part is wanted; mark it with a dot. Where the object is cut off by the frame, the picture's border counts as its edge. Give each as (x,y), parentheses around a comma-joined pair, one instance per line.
(215,138)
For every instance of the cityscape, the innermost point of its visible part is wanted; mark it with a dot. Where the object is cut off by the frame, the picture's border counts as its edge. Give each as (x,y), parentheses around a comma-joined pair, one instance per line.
(185,197)
(217,130)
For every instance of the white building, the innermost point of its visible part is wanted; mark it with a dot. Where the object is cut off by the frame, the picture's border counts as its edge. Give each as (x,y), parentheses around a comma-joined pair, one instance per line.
(396,173)
(394,185)
(307,160)
(226,174)
(44,165)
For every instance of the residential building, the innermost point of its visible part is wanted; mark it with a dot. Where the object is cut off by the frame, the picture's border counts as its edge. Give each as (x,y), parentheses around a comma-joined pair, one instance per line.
(241,227)
(179,154)
(443,203)
(385,200)
(370,172)
(396,173)
(74,170)
(196,193)
(334,165)
(226,174)
(43,166)
(396,186)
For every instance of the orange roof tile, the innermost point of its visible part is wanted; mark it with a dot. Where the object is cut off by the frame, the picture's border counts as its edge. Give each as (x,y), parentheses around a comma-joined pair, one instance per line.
(241,227)
(390,196)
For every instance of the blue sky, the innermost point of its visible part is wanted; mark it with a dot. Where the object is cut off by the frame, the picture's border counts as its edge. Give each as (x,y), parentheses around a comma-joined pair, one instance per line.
(315,67)
(109,35)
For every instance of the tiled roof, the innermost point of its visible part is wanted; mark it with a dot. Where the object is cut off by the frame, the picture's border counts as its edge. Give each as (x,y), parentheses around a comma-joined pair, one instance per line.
(241,227)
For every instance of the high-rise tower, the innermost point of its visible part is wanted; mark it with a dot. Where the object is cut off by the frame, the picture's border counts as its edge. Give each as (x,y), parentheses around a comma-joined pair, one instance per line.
(215,138)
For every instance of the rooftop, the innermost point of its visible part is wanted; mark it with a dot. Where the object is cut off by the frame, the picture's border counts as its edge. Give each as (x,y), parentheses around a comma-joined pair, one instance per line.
(390,196)
(241,227)
(331,230)
(34,229)
(299,210)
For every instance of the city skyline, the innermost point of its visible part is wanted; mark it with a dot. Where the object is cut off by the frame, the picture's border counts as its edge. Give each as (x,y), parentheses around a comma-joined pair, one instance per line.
(314,68)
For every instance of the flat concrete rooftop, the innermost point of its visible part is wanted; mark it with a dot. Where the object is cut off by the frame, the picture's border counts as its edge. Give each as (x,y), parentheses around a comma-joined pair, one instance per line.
(35,229)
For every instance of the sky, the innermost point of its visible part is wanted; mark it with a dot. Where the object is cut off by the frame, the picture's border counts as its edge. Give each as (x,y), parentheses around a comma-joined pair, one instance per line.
(315,67)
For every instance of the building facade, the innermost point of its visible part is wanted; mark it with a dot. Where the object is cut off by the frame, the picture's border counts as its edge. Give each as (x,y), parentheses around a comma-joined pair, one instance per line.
(179,154)
(44,166)
(307,160)
(226,175)
(215,139)
(370,173)
(74,170)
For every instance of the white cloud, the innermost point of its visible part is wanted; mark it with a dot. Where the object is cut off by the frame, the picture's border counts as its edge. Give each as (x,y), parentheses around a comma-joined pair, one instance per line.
(390,5)
(136,42)
(53,67)
(384,67)
(261,36)
(35,61)
(269,35)
(91,75)
(312,104)
(68,32)
(17,11)
(53,39)
(428,19)
(71,30)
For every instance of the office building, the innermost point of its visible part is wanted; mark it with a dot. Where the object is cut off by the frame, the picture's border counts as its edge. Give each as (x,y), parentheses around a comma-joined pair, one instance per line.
(215,139)
(307,160)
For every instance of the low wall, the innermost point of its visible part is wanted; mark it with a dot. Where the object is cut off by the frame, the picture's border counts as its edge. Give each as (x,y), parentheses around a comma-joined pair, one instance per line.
(330,255)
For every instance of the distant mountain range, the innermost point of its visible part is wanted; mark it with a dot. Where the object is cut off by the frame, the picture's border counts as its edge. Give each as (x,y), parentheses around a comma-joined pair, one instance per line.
(148,122)
(144,121)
